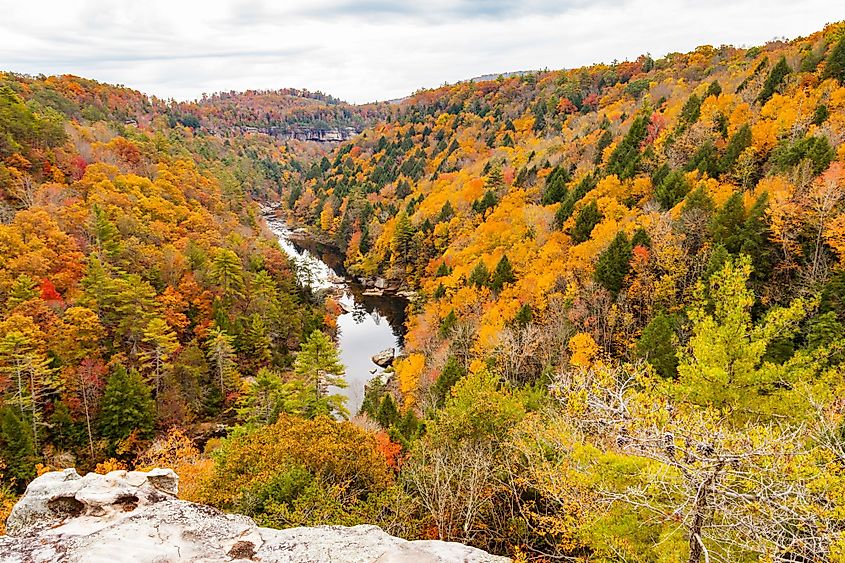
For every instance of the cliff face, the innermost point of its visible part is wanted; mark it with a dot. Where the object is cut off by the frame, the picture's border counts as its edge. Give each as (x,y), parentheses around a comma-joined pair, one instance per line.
(331,135)
(136,517)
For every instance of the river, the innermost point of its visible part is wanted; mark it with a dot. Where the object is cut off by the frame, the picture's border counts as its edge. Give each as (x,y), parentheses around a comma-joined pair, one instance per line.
(369,324)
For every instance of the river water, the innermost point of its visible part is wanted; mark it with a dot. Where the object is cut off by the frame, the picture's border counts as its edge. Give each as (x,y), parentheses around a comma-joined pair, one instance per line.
(369,325)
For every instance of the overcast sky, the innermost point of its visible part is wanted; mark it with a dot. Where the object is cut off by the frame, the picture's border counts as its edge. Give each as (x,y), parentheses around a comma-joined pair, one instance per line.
(370,49)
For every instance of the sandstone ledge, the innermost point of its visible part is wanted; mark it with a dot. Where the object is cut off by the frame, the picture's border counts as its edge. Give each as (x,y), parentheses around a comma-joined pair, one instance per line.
(136,517)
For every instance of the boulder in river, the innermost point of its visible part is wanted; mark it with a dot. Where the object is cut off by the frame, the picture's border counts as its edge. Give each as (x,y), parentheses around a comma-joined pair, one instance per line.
(384,358)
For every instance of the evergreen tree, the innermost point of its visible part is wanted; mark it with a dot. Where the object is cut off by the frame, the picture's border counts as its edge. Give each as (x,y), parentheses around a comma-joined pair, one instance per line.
(294,195)
(502,274)
(105,234)
(641,238)
(614,264)
(755,239)
(98,287)
(126,407)
(835,65)
(446,212)
(255,343)
(691,110)
(451,373)
(494,179)
(480,275)
(403,237)
(319,367)
(487,201)
(18,453)
(825,330)
(439,292)
(657,348)
(714,89)
(625,159)
(262,400)
(408,428)
(698,201)
(672,190)
(588,217)
(133,308)
(728,361)
(821,114)
(447,324)
(775,78)
(161,343)
(387,414)
(603,142)
(24,289)
(556,189)
(704,160)
(567,206)
(740,141)
(221,355)
(523,316)
(726,225)
(227,273)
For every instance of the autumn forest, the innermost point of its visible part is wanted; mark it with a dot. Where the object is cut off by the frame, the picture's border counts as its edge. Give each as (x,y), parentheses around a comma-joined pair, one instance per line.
(625,338)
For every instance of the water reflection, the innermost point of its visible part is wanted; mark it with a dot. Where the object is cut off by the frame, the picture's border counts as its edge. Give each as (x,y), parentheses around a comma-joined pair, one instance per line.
(371,323)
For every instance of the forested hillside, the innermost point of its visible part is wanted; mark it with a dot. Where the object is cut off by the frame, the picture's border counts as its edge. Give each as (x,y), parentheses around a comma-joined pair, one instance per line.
(630,313)
(279,111)
(138,285)
(627,341)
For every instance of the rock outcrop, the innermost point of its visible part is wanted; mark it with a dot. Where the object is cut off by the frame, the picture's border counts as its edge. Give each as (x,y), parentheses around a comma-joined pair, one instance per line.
(135,517)
(384,358)
(320,135)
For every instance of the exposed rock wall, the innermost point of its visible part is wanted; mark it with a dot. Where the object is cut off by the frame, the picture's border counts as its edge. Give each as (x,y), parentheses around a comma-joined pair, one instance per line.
(331,135)
(135,517)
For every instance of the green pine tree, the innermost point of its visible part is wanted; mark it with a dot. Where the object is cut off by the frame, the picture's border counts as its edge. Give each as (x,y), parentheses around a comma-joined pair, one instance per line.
(105,234)
(480,275)
(773,81)
(318,367)
(16,447)
(227,273)
(835,65)
(556,189)
(657,348)
(625,159)
(387,414)
(126,407)
(24,289)
(614,264)
(447,324)
(726,225)
(262,400)
(588,217)
(672,189)
(450,374)
(740,141)
(503,274)
(446,212)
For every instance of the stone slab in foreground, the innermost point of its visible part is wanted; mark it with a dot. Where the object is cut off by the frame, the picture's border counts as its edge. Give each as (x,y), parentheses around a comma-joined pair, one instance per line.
(135,517)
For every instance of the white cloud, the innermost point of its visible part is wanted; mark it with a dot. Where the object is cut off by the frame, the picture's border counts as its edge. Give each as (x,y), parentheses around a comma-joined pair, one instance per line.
(369,49)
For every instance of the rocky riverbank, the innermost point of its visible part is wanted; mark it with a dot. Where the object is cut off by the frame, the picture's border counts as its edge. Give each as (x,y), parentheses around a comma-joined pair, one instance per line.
(373,286)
